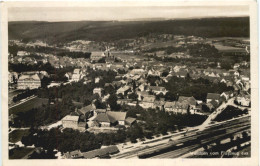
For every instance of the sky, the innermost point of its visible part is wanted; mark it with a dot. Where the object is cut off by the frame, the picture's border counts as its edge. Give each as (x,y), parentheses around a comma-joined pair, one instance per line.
(122,13)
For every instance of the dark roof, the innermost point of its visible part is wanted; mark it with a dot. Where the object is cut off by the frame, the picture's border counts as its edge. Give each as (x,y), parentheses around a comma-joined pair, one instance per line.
(103,117)
(130,120)
(214,103)
(213,96)
(86,109)
(101,152)
(110,117)
(188,100)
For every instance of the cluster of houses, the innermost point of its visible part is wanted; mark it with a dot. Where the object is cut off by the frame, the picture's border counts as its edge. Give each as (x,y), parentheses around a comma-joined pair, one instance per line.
(90,117)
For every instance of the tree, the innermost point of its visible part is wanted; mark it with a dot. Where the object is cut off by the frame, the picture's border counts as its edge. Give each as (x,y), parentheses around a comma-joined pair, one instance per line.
(112,101)
(133,96)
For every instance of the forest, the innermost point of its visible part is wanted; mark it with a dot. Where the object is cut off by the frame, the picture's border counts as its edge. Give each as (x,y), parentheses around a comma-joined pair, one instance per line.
(56,32)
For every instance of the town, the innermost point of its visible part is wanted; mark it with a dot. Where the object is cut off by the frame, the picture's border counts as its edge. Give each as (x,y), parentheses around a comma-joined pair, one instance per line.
(100,99)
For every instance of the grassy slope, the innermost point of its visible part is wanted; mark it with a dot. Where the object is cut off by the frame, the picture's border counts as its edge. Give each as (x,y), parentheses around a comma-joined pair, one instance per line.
(108,30)
(34,103)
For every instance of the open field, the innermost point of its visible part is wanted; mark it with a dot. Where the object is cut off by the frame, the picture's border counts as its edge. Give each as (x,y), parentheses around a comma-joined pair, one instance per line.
(34,103)
(16,135)
(222,48)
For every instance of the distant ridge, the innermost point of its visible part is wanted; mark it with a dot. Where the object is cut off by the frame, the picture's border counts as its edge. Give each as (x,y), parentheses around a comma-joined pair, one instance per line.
(54,32)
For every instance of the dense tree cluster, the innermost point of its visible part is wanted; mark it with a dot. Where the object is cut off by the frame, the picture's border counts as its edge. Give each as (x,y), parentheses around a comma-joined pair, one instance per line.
(24,94)
(69,139)
(197,88)
(75,54)
(20,67)
(44,115)
(195,50)
(230,112)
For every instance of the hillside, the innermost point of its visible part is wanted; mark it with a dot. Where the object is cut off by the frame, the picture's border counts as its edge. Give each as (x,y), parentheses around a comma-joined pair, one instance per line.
(54,32)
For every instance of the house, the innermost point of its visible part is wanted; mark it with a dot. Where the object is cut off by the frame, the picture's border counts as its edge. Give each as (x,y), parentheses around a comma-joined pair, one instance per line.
(22,53)
(176,107)
(159,104)
(130,121)
(212,104)
(76,76)
(148,101)
(213,96)
(82,126)
(138,72)
(181,74)
(226,95)
(86,109)
(95,56)
(29,81)
(191,101)
(124,101)
(158,89)
(243,100)
(123,90)
(98,91)
(142,94)
(110,118)
(70,121)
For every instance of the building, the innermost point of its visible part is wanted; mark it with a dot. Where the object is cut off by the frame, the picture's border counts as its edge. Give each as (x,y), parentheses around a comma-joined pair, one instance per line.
(76,76)
(70,121)
(243,100)
(158,89)
(176,107)
(22,53)
(213,96)
(98,91)
(101,153)
(95,56)
(29,81)
(87,109)
(110,118)
(123,90)
(148,101)
(191,101)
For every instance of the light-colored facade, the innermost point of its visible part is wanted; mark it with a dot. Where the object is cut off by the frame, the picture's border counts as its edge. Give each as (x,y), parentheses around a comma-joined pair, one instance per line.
(98,91)
(76,76)
(70,122)
(29,82)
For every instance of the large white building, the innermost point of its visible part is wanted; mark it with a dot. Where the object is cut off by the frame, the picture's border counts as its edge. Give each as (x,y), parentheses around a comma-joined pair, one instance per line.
(77,75)
(29,81)
(70,121)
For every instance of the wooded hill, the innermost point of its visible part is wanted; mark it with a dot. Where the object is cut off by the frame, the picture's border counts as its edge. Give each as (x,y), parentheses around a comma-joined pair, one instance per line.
(55,32)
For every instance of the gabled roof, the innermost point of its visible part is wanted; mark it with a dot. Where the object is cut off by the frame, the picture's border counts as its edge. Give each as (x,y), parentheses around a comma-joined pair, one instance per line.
(149,98)
(213,96)
(130,120)
(214,103)
(30,77)
(188,100)
(111,117)
(86,109)
(71,118)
